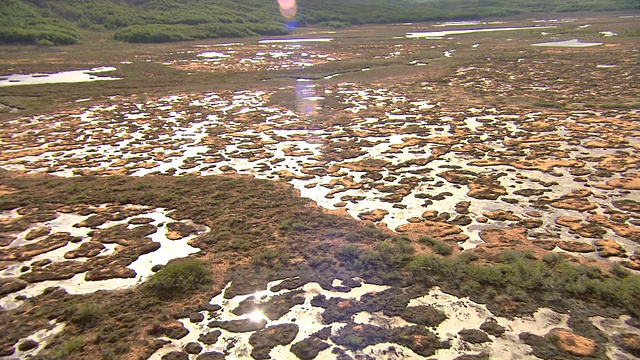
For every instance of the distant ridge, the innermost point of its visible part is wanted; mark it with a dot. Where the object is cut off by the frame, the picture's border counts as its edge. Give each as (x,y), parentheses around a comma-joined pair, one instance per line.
(60,22)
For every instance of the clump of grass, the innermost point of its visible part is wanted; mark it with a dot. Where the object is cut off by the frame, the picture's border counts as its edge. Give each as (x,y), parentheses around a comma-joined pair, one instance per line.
(396,254)
(271,258)
(619,271)
(439,247)
(65,351)
(510,256)
(551,258)
(178,277)
(348,252)
(240,244)
(87,314)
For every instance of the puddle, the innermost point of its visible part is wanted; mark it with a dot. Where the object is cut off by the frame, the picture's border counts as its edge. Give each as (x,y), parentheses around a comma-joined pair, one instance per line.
(458,23)
(213,54)
(573,43)
(60,77)
(440,34)
(293,40)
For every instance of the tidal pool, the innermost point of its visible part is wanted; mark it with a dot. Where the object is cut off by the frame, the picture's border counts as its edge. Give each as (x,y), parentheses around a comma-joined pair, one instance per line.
(293,40)
(60,77)
(440,34)
(573,43)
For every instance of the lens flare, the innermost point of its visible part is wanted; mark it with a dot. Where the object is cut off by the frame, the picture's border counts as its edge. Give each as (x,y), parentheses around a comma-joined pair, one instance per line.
(291,25)
(257,316)
(288,8)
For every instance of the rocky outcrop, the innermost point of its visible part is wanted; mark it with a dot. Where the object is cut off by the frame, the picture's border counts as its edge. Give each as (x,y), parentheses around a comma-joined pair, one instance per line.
(492,327)
(577,204)
(436,230)
(629,342)
(608,248)
(474,336)
(309,348)
(209,338)
(11,285)
(575,246)
(239,326)
(373,215)
(36,233)
(504,236)
(501,215)
(485,187)
(172,330)
(265,340)
(88,249)
(573,344)
(193,348)
(26,252)
(627,182)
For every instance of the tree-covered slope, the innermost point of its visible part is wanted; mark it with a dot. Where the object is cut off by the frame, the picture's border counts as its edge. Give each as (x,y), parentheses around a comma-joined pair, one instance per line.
(60,21)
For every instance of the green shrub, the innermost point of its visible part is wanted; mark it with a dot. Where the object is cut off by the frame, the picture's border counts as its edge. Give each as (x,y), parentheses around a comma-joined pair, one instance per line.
(442,248)
(177,277)
(372,233)
(427,240)
(317,261)
(271,258)
(630,293)
(240,244)
(427,264)
(68,348)
(618,270)
(86,314)
(348,252)
(155,33)
(510,256)
(396,254)
(551,258)
(334,24)
(439,247)
(44,42)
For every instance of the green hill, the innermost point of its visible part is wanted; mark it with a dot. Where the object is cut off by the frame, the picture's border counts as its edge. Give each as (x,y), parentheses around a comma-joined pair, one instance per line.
(63,21)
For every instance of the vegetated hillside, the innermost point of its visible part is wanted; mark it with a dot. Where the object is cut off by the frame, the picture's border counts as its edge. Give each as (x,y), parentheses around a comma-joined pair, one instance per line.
(59,21)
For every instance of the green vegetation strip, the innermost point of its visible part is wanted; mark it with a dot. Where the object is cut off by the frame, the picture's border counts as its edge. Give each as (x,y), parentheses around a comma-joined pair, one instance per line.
(62,22)
(512,276)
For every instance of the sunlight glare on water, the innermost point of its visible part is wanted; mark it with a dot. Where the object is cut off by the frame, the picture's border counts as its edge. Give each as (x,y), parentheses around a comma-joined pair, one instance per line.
(288,8)
(257,316)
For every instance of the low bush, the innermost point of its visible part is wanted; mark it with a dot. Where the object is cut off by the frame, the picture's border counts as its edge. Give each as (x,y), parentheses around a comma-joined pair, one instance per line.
(86,314)
(38,35)
(439,247)
(157,33)
(65,351)
(271,258)
(178,277)
(348,252)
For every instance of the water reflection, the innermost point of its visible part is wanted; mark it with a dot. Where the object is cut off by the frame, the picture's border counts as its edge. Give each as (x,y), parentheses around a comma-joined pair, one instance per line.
(573,43)
(60,77)
(441,34)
